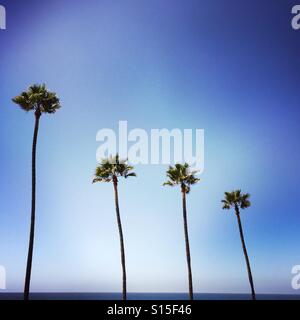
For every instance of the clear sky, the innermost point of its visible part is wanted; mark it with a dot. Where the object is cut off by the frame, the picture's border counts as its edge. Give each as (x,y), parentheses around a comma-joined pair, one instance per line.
(228,67)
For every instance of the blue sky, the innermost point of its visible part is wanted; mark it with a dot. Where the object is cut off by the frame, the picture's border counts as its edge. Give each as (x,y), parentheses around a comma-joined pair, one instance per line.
(230,68)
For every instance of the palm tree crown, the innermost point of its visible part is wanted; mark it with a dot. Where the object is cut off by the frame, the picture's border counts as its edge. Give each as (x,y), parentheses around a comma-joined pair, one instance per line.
(112,168)
(39,99)
(181,175)
(236,199)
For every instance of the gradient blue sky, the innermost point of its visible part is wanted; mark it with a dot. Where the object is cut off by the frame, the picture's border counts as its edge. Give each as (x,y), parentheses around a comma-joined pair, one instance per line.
(229,67)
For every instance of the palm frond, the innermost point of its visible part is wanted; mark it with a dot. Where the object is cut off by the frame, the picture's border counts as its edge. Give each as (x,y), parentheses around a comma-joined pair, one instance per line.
(169,183)
(132,174)
(23,101)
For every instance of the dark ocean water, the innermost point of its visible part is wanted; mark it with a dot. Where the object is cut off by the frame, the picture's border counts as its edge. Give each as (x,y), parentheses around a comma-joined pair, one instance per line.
(146,296)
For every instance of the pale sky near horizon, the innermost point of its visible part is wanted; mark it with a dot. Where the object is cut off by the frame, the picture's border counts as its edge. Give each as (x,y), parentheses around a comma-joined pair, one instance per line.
(230,68)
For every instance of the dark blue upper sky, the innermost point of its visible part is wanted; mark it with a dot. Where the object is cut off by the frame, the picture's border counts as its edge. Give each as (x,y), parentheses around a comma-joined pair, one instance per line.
(229,67)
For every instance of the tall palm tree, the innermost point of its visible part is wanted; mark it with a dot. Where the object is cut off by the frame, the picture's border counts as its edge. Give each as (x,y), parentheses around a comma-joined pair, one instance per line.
(38,99)
(110,170)
(182,176)
(237,200)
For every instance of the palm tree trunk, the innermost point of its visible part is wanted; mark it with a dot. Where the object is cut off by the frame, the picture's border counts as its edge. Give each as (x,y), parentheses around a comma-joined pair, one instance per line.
(124,294)
(245,253)
(187,246)
(31,237)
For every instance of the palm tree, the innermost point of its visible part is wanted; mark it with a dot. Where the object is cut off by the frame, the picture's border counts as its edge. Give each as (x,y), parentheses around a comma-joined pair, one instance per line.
(110,170)
(38,99)
(182,176)
(237,200)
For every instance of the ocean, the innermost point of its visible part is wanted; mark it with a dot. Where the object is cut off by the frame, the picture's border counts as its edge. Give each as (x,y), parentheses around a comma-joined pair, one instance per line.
(146,296)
